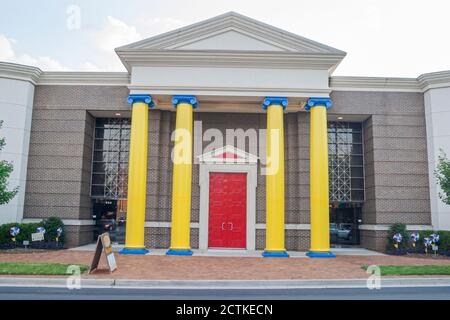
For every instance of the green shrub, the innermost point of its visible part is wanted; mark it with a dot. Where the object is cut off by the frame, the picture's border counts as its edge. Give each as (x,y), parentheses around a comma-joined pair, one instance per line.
(51,225)
(444,239)
(26,229)
(398,228)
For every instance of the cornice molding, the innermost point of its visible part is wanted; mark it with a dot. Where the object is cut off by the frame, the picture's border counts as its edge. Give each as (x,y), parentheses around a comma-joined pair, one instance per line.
(223,58)
(434,80)
(85,78)
(344,83)
(19,72)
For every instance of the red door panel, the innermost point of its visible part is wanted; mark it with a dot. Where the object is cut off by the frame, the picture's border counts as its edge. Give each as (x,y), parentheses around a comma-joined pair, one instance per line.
(227,210)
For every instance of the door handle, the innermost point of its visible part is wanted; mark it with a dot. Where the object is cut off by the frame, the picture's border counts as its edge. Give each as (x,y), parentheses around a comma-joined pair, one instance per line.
(232,226)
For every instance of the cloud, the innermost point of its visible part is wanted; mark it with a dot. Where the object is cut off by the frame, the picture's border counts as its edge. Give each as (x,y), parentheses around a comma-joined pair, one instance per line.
(88,66)
(155,26)
(113,33)
(8,54)
(6,48)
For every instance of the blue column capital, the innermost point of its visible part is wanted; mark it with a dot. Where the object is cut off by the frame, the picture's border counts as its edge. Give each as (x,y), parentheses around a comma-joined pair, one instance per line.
(177,99)
(316,102)
(145,98)
(280,101)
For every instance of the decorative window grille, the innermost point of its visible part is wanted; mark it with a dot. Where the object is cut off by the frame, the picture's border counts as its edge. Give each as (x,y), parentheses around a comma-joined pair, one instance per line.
(110,158)
(346,167)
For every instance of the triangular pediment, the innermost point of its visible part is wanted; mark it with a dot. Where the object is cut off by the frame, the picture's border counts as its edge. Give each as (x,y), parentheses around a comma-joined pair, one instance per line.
(228,154)
(231,32)
(230,39)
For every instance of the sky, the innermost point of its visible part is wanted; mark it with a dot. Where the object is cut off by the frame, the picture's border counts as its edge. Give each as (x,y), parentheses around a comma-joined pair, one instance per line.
(387,38)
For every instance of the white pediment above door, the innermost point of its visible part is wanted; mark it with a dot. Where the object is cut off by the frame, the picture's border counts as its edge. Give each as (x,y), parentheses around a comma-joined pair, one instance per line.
(230,32)
(228,154)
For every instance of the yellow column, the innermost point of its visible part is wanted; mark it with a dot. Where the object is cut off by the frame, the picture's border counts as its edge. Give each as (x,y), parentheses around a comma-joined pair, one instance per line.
(137,175)
(275,177)
(182,176)
(320,210)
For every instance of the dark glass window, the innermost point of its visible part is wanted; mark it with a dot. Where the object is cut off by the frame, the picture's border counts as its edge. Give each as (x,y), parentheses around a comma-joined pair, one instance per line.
(346,161)
(110,158)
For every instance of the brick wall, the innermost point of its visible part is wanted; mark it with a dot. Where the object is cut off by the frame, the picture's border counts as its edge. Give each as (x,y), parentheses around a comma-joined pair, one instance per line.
(59,165)
(395,153)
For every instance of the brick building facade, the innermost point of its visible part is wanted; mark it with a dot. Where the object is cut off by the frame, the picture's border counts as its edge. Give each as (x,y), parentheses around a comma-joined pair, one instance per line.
(394,125)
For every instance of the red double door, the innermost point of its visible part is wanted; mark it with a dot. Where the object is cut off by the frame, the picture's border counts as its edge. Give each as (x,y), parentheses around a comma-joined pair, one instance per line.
(227,210)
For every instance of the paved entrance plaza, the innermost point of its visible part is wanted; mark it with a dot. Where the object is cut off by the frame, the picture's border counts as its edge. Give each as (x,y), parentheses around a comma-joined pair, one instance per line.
(197,267)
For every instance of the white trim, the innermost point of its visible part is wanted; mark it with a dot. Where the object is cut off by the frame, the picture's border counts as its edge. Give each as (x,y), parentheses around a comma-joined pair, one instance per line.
(224,59)
(251,170)
(21,72)
(375,84)
(243,157)
(85,78)
(288,226)
(67,222)
(435,80)
(156,224)
(385,227)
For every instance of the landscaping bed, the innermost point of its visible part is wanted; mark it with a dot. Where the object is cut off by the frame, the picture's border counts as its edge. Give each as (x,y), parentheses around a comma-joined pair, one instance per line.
(435,243)
(16,236)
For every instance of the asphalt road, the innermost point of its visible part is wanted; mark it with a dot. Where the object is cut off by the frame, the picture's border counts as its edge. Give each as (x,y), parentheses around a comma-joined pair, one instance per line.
(36,293)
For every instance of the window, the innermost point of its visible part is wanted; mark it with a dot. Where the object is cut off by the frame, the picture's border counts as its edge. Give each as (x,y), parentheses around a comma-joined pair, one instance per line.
(110,158)
(346,162)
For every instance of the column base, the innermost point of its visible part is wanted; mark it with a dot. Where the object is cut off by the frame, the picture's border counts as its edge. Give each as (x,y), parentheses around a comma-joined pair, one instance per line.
(134,251)
(315,254)
(179,252)
(275,254)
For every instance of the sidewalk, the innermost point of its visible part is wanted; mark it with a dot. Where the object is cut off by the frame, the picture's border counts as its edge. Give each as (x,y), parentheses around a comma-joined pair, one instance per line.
(161,267)
(223,284)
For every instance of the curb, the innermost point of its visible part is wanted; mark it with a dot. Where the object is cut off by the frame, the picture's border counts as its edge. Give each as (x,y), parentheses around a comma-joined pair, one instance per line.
(224,284)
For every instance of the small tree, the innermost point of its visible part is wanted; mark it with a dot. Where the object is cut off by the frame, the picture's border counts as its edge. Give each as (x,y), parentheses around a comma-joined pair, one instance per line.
(442,174)
(5,171)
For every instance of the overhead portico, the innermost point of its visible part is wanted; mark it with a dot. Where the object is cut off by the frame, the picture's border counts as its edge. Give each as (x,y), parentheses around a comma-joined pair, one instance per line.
(230,56)
(232,63)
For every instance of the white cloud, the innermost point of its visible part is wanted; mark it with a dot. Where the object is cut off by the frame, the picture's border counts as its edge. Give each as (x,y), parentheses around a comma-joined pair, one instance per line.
(114,33)
(6,48)
(155,26)
(88,66)
(8,54)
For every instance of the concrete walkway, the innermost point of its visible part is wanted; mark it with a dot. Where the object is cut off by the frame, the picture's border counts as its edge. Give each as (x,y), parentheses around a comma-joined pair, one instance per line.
(242,253)
(392,282)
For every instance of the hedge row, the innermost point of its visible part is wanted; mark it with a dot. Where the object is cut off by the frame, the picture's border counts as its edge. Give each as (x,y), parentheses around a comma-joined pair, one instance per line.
(26,229)
(443,244)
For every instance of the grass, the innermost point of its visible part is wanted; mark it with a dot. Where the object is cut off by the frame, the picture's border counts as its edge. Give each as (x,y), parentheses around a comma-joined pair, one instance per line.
(14,268)
(424,270)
